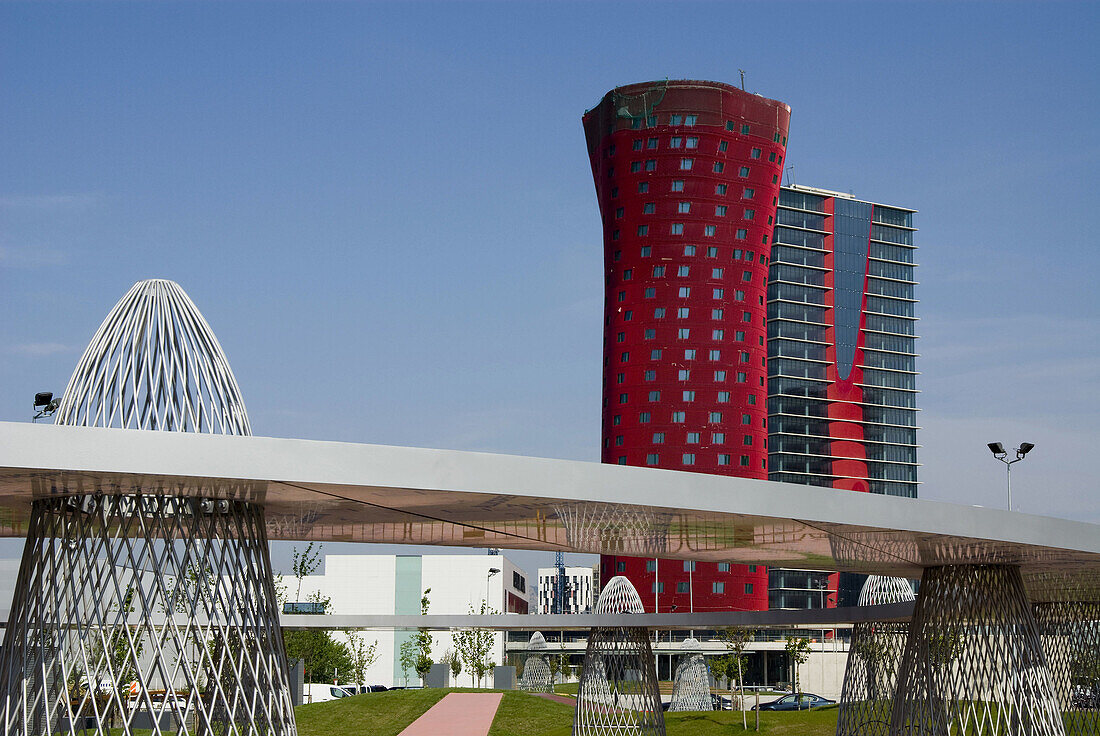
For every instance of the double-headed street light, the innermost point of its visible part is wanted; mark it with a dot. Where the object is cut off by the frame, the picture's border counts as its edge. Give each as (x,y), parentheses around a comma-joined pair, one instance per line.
(1001,454)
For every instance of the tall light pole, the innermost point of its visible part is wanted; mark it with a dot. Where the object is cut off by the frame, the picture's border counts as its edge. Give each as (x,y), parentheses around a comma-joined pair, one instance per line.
(1000,453)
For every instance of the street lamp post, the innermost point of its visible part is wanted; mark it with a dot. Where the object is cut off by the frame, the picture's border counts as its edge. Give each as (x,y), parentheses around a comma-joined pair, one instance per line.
(492,571)
(1000,453)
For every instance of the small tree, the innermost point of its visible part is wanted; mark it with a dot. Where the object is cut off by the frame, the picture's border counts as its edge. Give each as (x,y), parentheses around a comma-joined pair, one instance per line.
(363,655)
(304,564)
(408,655)
(735,639)
(474,645)
(455,663)
(798,651)
(423,640)
(555,669)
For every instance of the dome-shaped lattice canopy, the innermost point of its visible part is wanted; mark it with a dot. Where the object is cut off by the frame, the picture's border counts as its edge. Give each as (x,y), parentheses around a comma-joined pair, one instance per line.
(619,596)
(537,643)
(691,644)
(154,363)
(879,590)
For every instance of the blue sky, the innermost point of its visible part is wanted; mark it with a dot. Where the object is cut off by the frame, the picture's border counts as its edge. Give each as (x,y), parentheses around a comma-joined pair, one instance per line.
(385,210)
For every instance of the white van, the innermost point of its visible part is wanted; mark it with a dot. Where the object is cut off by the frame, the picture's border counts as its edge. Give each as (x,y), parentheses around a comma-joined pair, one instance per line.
(320,692)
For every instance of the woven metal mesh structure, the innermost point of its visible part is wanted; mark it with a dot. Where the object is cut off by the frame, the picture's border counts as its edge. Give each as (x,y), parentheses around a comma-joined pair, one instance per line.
(537,677)
(618,689)
(1070,633)
(973,662)
(691,683)
(873,658)
(154,363)
(145,612)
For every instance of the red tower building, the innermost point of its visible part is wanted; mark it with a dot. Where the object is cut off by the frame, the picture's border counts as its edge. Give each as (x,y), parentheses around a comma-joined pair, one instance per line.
(687,177)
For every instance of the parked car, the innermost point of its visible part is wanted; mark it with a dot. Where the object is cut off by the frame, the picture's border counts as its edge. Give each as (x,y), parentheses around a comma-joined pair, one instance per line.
(320,692)
(804,701)
(372,689)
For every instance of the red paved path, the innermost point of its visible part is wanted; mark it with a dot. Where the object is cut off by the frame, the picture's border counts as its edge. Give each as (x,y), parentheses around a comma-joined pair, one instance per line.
(457,714)
(558,698)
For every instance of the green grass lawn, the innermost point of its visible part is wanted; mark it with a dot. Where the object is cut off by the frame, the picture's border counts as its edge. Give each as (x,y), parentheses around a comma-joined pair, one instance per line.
(523,714)
(379,714)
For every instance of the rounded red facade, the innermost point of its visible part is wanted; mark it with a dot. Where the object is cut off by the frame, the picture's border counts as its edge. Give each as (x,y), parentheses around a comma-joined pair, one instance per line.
(687,174)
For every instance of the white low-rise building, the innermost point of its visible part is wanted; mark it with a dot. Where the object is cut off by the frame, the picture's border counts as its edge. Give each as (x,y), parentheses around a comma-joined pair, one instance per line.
(580,589)
(394,584)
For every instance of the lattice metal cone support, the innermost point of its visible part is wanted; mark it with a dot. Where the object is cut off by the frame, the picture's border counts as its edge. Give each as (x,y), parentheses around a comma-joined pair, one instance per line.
(973,662)
(691,684)
(1070,633)
(149,612)
(870,678)
(873,658)
(537,677)
(155,363)
(618,691)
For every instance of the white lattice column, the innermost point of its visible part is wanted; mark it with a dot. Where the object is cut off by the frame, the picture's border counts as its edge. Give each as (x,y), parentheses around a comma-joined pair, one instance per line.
(145,611)
(691,683)
(873,659)
(618,691)
(973,662)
